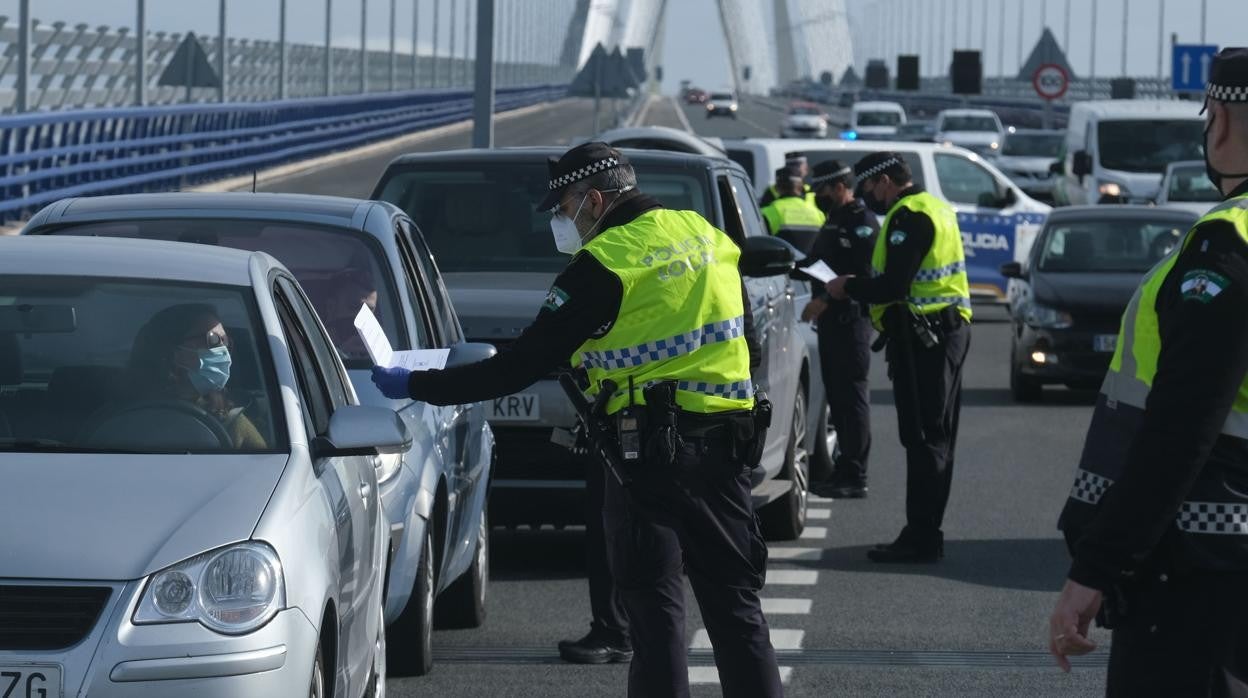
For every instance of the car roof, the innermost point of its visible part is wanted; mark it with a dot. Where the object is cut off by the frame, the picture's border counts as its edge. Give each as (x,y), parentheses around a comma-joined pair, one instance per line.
(1101,212)
(892,106)
(1138,108)
(966,112)
(128,259)
(689,142)
(325,210)
(529,154)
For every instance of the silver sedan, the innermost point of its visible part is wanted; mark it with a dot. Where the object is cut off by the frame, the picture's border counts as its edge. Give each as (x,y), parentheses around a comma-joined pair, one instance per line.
(190,502)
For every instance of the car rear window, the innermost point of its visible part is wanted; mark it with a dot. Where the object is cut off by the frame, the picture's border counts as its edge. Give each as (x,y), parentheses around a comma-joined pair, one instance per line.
(508,233)
(878,118)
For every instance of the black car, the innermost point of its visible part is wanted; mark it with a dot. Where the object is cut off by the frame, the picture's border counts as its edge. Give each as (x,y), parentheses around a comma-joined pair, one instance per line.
(1070,294)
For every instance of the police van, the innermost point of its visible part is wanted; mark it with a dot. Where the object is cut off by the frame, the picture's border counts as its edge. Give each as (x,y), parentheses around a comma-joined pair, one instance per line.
(998,220)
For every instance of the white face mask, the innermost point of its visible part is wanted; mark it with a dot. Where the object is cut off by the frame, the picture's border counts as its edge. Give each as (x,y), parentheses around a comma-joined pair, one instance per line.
(563,228)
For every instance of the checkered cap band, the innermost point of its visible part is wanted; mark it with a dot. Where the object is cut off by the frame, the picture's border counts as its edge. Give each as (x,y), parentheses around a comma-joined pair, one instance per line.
(667,348)
(591,169)
(1227,93)
(832,175)
(869,173)
(1089,487)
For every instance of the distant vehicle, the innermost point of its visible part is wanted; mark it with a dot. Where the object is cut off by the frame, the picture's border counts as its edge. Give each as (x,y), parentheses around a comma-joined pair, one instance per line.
(804,120)
(998,219)
(845,100)
(1027,156)
(1074,287)
(662,138)
(1121,148)
(1186,186)
(208,533)
(500,263)
(721,104)
(977,130)
(876,121)
(696,95)
(434,493)
(916,132)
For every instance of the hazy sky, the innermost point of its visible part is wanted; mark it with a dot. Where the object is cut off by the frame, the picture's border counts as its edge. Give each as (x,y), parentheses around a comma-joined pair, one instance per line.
(694,47)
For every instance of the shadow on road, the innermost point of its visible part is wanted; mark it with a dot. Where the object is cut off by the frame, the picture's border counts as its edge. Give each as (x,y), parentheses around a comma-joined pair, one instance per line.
(537,555)
(1023,564)
(1000,397)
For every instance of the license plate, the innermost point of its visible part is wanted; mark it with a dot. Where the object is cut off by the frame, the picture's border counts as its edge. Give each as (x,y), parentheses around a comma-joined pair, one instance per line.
(30,681)
(1105,342)
(521,407)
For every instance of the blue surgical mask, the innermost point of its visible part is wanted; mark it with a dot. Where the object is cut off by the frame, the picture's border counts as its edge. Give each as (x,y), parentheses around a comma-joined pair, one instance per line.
(213,372)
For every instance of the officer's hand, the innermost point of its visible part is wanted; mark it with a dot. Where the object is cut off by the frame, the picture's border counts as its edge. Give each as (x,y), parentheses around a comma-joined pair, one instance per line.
(814,309)
(392,382)
(1068,626)
(836,287)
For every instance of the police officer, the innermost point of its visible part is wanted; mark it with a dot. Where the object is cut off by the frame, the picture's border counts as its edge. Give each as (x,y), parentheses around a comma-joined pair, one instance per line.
(845,243)
(790,215)
(797,162)
(651,302)
(1157,519)
(920,300)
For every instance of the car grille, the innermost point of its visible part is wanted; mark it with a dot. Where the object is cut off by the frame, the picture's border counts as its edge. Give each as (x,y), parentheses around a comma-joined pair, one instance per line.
(48,617)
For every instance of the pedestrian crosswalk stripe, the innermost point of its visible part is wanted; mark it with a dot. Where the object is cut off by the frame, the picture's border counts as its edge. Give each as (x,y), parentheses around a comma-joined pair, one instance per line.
(814,533)
(782,553)
(710,675)
(818,513)
(816,499)
(781,639)
(796,577)
(786,607)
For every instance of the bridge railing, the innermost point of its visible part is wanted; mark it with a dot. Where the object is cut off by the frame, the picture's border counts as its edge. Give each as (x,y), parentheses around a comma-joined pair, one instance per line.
(52,155)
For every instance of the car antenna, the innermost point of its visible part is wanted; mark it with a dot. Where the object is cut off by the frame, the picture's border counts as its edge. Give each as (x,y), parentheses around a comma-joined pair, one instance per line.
(254,175)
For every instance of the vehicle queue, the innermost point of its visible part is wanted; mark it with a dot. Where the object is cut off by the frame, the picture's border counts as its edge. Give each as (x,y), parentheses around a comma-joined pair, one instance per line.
(238,354)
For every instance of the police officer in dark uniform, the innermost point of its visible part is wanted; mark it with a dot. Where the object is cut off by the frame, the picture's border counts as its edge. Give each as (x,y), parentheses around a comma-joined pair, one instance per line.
(800,166)
(920,300)
(1157,520)
(652,306)
(845,243)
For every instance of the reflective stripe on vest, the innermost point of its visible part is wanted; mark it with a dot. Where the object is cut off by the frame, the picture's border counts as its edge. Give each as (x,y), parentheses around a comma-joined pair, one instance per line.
(792,213)
(941,281)
(1131,371)
(1214,518)
(681,316)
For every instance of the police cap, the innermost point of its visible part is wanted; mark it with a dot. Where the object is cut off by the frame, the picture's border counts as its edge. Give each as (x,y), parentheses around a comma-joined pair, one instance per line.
(830,171)
(794,158)
(1228,76)
(579,163)
(882,162)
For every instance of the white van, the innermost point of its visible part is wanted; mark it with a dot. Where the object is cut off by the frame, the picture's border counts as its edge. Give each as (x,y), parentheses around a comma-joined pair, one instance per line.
(1120,149)
(998,220)
(876,120)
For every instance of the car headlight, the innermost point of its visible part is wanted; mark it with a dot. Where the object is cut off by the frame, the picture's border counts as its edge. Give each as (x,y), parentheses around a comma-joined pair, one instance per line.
(232,590)
(710,107)
(387,465)
(1044,317)
(732,107)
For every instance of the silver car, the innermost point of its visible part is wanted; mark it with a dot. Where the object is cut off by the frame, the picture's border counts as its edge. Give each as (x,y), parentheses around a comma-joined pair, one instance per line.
(190,502)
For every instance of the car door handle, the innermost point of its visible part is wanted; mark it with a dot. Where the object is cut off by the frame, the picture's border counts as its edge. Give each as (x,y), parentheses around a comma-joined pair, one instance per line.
(365,490)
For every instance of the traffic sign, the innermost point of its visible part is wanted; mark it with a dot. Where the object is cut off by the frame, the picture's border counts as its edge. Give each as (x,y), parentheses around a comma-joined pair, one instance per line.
(1189,67)
(1050,81)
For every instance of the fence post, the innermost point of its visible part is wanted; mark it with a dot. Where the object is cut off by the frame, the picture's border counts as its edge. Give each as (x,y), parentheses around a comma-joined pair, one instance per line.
(283,55)
(415,45)
(223,61)
(393,57)
(452,69)
(433,68)
(23,56)
(140,58)
(329,48)
(483,99)
(363,46)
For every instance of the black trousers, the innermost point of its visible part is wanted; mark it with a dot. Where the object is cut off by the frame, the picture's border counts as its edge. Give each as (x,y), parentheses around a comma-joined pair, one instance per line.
(1185,637)
(604,598)
(702,523)
(934,402)
(845,361)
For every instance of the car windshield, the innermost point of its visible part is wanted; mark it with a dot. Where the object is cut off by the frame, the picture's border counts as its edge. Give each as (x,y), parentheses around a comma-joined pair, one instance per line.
(805,111)
(1036,145)
(107,365)
(1107,245)
(339,269)
(508,234)
(1192,184)
(1149,146)
(721,97)
(969,123)
(878,118)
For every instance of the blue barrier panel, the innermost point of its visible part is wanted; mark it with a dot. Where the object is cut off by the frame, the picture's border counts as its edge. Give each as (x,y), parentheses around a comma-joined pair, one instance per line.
(48,156)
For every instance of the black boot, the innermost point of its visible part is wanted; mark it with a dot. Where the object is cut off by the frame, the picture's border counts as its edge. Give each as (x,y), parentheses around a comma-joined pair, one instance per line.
(910,548)
(598,647)
(840,488)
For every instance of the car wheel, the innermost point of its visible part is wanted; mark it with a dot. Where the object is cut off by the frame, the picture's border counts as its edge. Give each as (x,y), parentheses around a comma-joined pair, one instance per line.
(823,457)
(410,647)
(462,605)
(785,518)
(1024,388)
(317,688)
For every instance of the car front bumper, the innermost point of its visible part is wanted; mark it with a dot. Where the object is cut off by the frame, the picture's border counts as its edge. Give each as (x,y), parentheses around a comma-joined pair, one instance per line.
(1070,356)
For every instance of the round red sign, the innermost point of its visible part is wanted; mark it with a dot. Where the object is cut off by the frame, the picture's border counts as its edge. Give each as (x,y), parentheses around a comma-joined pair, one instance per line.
(1050,81)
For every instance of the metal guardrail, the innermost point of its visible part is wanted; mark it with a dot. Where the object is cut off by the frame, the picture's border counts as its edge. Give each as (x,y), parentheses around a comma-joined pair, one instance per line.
(52,155)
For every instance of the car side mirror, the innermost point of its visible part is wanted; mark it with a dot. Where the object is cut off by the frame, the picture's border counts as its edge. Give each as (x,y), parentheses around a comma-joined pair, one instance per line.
(1057,167)
(767,256)
(1012,270)
(363,430)
(466,353)
(1081,164)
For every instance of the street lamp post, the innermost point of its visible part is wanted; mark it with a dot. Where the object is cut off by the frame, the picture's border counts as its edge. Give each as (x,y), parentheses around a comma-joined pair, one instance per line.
(140,59)
(223,57)
(329,48)
(483,95)
(363,46)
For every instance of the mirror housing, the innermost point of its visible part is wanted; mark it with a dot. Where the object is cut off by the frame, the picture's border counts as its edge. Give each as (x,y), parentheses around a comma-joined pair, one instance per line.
(1057,167)
(1081,164)
(767,256)
(1012,270)
(466,353)
(363,430)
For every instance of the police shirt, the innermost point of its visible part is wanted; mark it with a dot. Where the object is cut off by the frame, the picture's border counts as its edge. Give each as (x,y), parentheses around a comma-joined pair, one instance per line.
(1203,361)
(910,235)
(845,243)
(582,304)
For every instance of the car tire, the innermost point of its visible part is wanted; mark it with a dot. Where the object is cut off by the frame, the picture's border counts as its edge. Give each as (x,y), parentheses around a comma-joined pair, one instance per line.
(785,518)
(824,441)
(316,689)
(410,647)
(1024,389)
(462,605)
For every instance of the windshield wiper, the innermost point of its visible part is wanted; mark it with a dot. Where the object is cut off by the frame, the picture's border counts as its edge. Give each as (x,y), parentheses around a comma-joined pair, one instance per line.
(21,445)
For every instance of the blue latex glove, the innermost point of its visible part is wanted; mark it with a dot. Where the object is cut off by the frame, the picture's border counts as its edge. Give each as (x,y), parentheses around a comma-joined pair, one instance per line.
(392,382)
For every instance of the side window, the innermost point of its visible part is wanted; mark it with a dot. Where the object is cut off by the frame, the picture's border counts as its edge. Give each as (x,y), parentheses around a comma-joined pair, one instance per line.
(966,182)
(754,226)
(448,321)
(729,202)
(322,349)
(426,331)
(316,401)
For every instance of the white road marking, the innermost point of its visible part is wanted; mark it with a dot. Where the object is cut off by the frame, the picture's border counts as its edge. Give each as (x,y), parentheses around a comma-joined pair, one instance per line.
(816,499)
(814,533)
(786,607)
(680,114)
(818,513)
(794,577)
(795,553)
(710,675)
(780,639)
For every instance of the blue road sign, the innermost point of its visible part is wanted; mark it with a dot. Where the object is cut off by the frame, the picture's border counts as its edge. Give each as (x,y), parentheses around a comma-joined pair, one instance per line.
(1189,67)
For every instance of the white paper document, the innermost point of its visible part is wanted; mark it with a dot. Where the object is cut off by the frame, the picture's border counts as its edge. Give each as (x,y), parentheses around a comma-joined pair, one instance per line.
(382,354)
(819,271)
